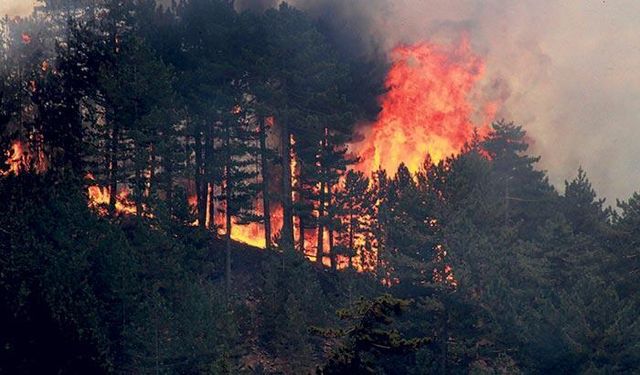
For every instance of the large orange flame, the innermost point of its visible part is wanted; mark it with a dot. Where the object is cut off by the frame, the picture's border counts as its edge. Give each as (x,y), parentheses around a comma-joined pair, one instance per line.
(253,233)
(427,108)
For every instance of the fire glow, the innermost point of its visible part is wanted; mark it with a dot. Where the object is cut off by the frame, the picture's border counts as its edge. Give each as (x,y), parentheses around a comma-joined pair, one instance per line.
(99,197)
(427,109)
(16,158)
(20,158)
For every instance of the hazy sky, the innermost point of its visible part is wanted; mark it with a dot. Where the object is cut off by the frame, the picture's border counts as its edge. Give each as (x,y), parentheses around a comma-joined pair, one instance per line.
(573,72)
(569,70)
(16,7)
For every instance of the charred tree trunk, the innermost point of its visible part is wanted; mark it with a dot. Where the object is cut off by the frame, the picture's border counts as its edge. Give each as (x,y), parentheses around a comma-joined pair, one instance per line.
(211,177)
(201,199)
(227,268)
(287,210)
(113,167)
(266,204)
(351,229)
(137,154)
(322,199)
(152,172)
(211,209)
(228,201)
(301,223)
(320,252)
(138,186)
(332,254)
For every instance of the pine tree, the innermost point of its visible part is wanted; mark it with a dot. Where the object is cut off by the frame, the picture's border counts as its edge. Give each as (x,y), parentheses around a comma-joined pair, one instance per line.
(304,91)
(331,164)
(240,147)
(525,192)
(627,239)
(138,92)
(582,207)
(206,69)
(366,341)
(354,204)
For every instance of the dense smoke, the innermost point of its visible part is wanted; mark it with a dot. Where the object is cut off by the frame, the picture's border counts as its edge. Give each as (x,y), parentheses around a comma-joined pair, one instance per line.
(566,71)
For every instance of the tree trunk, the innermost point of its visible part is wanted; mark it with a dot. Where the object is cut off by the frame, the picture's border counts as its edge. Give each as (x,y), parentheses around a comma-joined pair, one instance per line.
(209,184)
(138,186)
(266,206)
(113,168)
(228,200)
(301,223)
(287,211)
(152,172)
(332,254)
(168,180)
(322,198)
(228,229)
(320,251)
(212,205)
(351,249)
(201,199)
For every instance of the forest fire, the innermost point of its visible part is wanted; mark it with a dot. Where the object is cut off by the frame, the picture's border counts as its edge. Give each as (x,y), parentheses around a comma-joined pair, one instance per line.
(15,158)
(99,197)
(318,186)
(427,109)
(20,157)
(252,234)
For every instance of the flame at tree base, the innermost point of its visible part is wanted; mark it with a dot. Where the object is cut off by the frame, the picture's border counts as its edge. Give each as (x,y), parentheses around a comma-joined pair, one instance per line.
(100,196)
(21,158)
(429,110)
